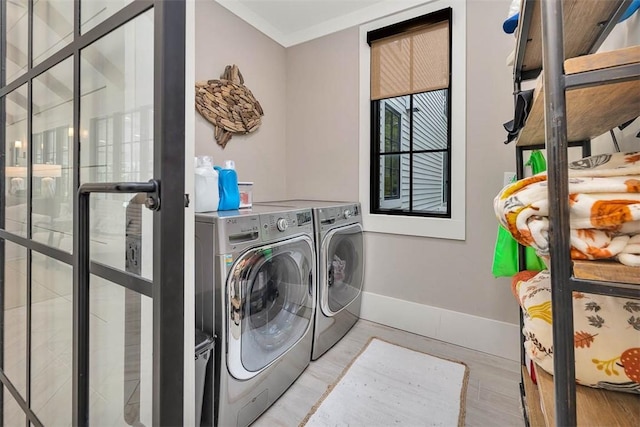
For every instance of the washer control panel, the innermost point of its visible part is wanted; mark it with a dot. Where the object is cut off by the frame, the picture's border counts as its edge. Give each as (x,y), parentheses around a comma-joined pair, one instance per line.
(238,232)
(281,224)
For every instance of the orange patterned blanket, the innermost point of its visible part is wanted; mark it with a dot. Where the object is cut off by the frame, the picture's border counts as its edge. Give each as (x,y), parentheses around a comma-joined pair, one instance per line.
(604,203)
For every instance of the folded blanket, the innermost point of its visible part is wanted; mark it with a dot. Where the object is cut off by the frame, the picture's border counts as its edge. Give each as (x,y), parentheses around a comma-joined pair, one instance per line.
(606,334)
(604,206)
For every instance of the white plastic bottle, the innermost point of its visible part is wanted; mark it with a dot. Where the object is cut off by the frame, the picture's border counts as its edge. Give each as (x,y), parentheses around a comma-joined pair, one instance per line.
(206,185)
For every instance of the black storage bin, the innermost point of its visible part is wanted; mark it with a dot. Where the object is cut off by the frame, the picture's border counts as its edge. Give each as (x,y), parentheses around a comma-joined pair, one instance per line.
(204,345)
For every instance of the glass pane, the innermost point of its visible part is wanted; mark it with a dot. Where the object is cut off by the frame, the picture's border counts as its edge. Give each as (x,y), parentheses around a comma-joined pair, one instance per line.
(16,162)
(13,414)
(15,316)
(344,267)
(430,182)
(51,340)
(276,303)
(430,123)
(95,11)
(121,344)
(52,210)
(274,284)
(394,124)
(52,27)
(117,140)
(16,33)
(394,181)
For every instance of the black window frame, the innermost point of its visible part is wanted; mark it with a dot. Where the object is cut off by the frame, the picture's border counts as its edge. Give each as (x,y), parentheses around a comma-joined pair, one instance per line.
(376,197)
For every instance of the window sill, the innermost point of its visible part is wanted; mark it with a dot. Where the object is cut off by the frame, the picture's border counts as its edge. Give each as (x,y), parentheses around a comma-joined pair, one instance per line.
(439,228)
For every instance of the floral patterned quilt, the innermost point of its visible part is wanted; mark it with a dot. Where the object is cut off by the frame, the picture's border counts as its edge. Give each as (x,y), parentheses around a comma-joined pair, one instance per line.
(606,334)
(604,206)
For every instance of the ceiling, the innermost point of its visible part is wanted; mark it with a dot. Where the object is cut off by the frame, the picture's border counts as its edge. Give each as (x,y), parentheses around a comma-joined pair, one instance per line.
(290,22)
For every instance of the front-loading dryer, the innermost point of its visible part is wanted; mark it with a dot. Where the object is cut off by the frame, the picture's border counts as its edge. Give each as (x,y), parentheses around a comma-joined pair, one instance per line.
(340,263)
(255,290)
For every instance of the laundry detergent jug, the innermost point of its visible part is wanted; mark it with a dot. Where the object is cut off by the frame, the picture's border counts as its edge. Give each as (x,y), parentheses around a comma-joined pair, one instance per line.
(228,187)
(206,185)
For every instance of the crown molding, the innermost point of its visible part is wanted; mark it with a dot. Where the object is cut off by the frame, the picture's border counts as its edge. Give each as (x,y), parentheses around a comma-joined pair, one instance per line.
(358,17)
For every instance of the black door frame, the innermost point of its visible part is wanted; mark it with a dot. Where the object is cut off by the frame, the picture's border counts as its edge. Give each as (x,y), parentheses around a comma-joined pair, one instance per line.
(167,288)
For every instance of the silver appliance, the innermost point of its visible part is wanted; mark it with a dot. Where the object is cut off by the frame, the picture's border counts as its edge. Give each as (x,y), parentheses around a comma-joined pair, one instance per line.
(256,291)
(340,256)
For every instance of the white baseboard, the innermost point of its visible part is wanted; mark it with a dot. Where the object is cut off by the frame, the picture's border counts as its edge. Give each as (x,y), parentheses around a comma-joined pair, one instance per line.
(477,333)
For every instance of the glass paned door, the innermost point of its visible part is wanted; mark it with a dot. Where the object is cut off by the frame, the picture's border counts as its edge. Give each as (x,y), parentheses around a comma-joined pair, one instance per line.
(51,159)
(52,27)
(16,30)
(15,316)
(91,257)
(116,134)
(15,171)
(96,11)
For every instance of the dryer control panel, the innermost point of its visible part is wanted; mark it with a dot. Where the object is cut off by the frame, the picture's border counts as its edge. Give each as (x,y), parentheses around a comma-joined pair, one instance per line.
(287,223)
(338,215)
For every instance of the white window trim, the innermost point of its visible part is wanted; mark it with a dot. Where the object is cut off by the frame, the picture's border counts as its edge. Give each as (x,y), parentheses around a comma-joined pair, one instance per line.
(445,228)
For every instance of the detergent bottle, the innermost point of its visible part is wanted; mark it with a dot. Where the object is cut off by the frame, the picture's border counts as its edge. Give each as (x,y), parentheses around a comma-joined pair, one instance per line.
(206,185)
(228,186)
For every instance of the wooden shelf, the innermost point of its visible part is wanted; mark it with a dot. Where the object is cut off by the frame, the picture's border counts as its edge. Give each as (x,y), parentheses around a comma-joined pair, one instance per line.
(607,271)
(532,396)
(594,406)
(582,28)
(591,111)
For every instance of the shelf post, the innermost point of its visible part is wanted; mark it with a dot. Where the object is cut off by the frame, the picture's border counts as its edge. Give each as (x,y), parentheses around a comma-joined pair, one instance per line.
(558,193)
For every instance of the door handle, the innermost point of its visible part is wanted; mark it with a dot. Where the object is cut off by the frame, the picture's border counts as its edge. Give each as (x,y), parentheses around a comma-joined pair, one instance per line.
(81,260)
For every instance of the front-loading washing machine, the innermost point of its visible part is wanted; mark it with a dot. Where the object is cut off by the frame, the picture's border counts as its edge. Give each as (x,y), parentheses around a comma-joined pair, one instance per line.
(340,263)
(255,290)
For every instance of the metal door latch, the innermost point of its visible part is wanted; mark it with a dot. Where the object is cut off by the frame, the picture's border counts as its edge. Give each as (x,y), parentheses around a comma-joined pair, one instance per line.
(152,201)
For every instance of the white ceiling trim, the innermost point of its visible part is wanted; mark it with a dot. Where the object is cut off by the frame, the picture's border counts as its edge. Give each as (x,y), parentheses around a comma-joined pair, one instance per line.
(375,11)
(253,19)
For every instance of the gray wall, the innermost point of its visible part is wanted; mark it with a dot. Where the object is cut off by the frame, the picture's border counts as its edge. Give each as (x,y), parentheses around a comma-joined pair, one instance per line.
(309,139)
(322,118)
(323,93)
(222,39)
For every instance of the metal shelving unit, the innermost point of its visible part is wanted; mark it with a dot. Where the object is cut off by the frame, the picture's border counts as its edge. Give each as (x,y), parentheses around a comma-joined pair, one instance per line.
(554,25)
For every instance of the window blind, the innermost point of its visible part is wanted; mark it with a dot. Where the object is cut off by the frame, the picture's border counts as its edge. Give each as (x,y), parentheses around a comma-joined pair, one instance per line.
(413,61)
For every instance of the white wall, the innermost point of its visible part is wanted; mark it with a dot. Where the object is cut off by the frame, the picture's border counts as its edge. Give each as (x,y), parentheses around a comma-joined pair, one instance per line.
(224,39)
(189,224)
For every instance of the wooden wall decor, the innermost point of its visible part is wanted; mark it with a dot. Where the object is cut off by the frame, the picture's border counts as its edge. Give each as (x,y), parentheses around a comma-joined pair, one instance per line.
(228,105)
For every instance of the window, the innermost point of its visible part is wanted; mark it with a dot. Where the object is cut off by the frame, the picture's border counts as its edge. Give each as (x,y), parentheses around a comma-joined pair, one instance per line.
(410,141)
(392,121)
(432,164)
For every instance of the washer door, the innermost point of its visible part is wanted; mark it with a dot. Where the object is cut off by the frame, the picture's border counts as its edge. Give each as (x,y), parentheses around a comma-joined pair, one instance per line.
(270,304)
(343,268)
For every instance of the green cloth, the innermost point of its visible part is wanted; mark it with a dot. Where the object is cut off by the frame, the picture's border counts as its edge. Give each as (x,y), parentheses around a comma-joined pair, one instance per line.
(505,253)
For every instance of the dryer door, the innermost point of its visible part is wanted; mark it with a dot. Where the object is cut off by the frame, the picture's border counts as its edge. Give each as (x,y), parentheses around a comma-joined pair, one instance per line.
(271,295)
(343,268)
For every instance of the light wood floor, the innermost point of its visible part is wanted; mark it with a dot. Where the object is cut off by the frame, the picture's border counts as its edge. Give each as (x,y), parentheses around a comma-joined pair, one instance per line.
(493,397)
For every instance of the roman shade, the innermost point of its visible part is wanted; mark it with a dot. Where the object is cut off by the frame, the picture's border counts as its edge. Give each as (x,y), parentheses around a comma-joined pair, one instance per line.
(413,61)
